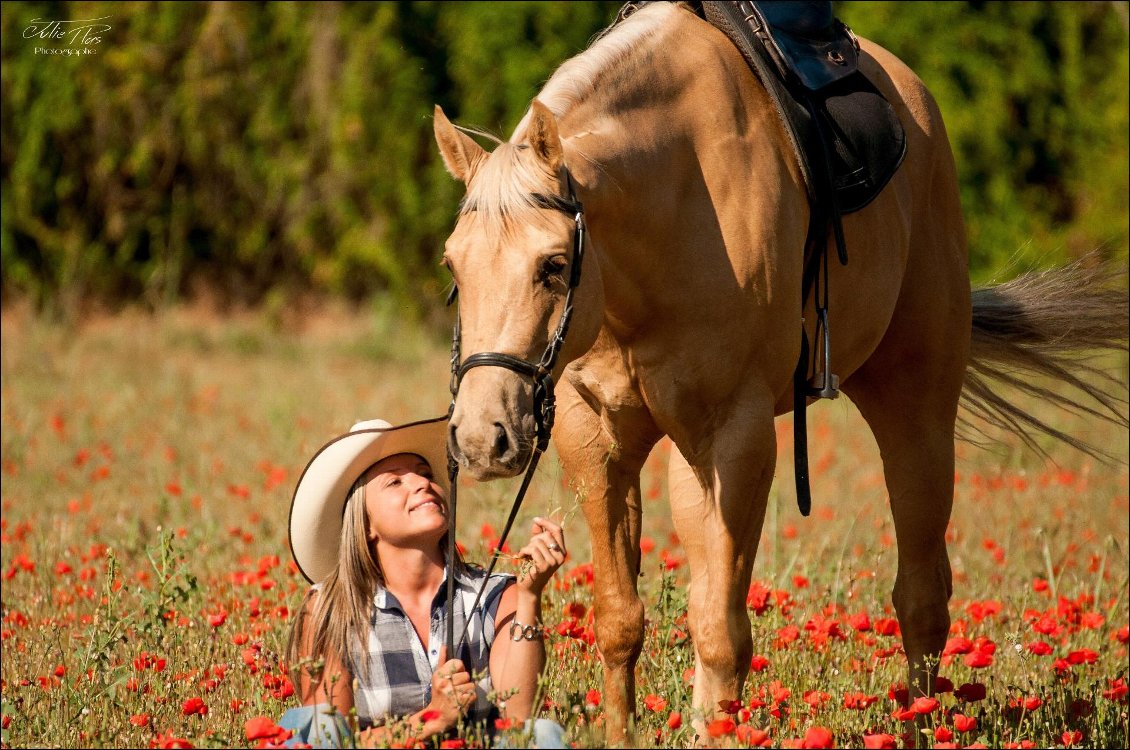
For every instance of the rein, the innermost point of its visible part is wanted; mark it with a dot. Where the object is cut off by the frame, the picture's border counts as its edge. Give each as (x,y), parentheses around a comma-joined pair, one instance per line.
(540,374)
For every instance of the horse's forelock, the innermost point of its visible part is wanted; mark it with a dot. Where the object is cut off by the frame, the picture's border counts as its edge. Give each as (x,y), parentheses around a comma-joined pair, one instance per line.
(504,189)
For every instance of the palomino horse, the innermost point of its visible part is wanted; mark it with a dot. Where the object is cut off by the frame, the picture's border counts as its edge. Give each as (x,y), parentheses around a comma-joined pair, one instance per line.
(686,323)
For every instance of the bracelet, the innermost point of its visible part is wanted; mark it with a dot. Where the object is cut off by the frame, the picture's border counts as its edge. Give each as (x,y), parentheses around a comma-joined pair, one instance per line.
(520,632)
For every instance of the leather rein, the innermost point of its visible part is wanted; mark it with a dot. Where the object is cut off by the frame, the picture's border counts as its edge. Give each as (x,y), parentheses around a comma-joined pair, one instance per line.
(539,373)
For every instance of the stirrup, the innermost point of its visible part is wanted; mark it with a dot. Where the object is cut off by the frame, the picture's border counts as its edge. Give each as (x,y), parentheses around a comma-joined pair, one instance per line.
(825,384)
(819,387)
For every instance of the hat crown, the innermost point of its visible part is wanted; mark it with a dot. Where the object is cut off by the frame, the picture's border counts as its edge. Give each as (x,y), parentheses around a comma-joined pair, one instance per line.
(371,424)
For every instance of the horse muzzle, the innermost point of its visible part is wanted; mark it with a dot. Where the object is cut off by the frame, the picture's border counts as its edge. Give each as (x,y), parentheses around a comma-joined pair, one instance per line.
(491,444)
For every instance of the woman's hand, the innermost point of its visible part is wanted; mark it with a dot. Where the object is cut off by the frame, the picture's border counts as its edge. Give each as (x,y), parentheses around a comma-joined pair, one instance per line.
(453,692)
(545,552)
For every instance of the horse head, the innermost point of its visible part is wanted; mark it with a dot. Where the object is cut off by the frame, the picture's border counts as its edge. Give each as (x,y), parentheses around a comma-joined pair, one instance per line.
(514,259)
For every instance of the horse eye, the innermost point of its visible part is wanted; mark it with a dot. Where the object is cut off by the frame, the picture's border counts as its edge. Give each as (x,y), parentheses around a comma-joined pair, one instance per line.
(551,270)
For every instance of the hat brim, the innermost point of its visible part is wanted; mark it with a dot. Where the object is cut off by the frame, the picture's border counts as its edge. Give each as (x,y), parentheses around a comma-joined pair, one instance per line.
(318,504)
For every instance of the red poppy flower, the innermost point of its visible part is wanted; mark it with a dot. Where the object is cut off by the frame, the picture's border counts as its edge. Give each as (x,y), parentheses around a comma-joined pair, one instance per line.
(1082,656)
(752,736)
(654,703)
(675,720)
(1071,738)
(903,714)
(880,741)
(730,707)
(194,707)
(592,697)
(1117,691)
(169,741)
(859,701)
(139,720)
(720,727)
(816,698)
(971,691)
(887,626)
(964,723)
(260,728)
(818,737)
(943,734)
(924,705)
(978,660)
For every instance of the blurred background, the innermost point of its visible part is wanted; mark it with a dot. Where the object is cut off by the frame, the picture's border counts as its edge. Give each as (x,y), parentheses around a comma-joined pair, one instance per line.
(279,155)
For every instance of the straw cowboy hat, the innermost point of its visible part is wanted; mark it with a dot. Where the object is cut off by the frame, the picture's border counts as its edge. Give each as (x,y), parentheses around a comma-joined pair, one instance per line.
(319,499)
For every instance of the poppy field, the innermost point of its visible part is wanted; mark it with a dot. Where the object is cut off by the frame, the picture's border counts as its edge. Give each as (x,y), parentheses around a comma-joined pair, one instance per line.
(148,465)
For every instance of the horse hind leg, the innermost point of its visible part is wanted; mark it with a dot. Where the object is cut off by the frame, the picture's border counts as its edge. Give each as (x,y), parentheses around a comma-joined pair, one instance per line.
(909,399)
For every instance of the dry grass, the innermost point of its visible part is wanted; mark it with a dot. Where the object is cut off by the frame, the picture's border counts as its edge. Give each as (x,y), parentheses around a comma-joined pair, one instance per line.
(147,470)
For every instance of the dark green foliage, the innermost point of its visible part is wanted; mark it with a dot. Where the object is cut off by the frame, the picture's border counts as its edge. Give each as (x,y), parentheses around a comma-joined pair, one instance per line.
(244,152)
(1035,99)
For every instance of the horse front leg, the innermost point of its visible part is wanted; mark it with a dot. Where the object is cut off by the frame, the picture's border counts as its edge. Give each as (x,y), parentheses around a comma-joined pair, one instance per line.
(605,473)
(718,502)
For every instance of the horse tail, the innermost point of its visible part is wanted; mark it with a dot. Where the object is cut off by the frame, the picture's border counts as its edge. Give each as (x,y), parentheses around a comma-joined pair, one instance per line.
(1049,335)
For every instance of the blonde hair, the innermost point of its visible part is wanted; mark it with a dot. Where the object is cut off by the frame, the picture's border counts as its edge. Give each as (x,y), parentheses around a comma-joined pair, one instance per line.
(335,614)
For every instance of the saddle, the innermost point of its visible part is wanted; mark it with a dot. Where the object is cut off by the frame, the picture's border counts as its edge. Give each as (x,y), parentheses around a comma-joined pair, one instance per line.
(844,135)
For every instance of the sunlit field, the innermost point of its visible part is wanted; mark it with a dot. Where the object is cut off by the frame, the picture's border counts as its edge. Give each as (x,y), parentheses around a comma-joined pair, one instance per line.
(148,465)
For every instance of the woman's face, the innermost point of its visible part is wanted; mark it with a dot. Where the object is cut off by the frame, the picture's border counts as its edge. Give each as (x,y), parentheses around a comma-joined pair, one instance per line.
(404,504)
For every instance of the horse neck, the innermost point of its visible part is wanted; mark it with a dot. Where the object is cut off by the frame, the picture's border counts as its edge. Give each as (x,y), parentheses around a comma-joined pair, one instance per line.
(636,145)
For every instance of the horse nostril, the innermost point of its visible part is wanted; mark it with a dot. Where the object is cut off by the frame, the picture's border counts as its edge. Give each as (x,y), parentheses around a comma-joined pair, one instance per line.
(501,442)
(453,441)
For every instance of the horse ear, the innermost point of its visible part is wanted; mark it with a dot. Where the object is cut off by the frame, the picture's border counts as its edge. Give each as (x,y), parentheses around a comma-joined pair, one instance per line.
(461,155)
(543,137)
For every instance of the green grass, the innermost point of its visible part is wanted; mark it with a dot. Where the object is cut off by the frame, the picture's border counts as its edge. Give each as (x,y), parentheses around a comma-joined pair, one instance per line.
(147,467)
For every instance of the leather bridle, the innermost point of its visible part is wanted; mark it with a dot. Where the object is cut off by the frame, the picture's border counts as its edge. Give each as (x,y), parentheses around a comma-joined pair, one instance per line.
(539,373)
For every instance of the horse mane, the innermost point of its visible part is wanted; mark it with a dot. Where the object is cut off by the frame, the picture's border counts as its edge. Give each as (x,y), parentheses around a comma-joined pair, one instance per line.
(506,184)
(578,77)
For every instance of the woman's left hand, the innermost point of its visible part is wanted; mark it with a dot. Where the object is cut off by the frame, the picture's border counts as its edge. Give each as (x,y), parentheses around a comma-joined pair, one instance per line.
(545,552)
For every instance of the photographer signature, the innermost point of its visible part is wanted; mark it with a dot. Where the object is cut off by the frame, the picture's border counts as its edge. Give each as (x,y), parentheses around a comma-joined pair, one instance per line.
(73,33)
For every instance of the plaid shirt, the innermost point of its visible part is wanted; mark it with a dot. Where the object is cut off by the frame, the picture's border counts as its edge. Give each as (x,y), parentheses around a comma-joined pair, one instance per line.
(399,679)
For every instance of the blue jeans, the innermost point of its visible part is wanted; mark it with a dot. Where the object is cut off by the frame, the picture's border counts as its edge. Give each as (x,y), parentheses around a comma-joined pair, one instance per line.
(543,734)
(318,726)
(322,727)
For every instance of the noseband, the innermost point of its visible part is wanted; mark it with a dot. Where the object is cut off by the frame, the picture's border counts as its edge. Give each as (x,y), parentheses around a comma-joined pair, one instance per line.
(539,373)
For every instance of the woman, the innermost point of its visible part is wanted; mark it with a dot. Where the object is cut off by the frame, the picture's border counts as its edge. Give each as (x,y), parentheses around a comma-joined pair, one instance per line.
(369,525)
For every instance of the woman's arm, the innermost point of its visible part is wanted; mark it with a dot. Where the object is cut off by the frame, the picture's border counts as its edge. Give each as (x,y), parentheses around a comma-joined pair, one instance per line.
(333,684)
(516,665)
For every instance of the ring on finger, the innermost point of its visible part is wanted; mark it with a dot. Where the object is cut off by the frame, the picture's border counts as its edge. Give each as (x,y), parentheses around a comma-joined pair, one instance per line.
(554,547)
